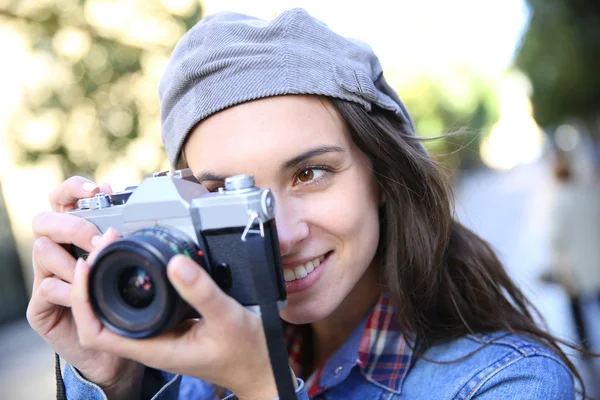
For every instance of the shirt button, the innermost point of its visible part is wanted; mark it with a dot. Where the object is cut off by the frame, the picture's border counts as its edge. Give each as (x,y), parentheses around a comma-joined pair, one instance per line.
(338,370)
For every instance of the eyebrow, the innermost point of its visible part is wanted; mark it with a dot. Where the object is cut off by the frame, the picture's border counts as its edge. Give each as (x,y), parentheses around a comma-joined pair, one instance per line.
(315,151)
(210,176)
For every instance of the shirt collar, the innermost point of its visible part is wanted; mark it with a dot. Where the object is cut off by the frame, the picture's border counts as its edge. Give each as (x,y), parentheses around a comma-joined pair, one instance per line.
(377,346)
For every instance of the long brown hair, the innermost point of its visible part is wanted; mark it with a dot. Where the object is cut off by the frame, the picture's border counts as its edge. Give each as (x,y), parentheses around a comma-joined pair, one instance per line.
(445,280)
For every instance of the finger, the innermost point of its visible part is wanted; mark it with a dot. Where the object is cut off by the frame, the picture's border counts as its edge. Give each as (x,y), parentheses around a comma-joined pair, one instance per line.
(67,229)
(91,332)
(51,293)
(107,238)
(198,289)
(88,326)
(50,258)
(105,188)
(56,291)
(64,197)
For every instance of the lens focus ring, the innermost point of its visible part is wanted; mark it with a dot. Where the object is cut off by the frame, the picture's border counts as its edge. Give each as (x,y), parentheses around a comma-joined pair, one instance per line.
(129,288)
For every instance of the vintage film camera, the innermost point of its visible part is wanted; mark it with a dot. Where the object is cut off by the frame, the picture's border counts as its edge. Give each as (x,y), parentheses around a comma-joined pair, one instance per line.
(170,214)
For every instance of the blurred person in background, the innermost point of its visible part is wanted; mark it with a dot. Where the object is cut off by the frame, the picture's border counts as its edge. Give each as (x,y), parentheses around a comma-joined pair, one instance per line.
(575,239)
(401,301)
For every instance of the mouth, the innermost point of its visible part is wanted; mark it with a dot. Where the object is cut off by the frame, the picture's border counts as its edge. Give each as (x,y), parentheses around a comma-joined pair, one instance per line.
(303,270)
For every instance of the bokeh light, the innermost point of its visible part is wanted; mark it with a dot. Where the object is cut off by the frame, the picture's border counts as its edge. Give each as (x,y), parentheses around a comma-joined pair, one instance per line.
(566,137)
(72,43)
(515,139)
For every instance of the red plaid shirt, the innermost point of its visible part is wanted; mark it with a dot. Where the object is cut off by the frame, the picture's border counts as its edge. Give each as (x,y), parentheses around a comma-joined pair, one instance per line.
(383,355)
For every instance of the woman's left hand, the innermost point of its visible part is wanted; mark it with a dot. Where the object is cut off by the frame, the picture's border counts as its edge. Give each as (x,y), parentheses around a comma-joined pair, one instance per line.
(227,346)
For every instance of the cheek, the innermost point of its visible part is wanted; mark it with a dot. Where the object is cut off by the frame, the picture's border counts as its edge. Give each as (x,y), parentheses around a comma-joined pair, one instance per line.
(352,218)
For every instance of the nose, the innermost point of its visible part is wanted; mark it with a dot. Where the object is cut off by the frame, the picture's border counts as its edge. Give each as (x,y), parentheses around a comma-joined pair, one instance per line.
(291,227)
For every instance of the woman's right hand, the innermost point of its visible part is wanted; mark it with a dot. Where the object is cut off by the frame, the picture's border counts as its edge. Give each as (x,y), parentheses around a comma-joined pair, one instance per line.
(49,312)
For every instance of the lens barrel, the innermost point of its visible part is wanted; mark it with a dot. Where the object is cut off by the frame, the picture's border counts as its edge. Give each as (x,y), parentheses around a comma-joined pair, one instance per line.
(129,288)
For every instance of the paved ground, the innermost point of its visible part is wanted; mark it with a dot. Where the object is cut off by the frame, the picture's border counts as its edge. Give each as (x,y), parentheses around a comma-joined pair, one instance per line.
(26,364)
(508,209)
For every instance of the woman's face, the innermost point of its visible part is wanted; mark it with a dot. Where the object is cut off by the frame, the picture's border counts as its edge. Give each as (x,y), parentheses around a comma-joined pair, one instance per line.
(326,198)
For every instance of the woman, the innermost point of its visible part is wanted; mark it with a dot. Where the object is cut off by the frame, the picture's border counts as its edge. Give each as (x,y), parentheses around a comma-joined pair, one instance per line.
(388,296)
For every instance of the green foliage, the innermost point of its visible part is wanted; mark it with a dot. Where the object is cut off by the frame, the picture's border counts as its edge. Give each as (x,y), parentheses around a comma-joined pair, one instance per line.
(453,113)
(96,96)
(561,54)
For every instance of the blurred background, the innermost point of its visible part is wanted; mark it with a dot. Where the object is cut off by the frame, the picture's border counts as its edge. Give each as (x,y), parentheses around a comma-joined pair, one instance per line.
(517,81)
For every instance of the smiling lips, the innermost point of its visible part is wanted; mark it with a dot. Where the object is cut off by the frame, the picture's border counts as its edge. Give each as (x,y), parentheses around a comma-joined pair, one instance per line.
(301,271)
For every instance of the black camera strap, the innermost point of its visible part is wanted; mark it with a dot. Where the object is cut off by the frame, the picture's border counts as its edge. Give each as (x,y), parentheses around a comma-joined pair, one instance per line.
(60,385)
(266,294)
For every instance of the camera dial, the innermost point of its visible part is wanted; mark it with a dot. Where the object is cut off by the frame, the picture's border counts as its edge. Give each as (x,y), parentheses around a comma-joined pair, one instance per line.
(239,182)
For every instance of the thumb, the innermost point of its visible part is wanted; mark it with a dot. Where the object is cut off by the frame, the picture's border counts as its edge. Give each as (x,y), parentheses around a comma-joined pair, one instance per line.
(199,290)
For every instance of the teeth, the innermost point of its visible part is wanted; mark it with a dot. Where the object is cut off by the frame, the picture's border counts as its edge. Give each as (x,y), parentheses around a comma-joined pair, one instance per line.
(301,271)
(310,267)
(288,275)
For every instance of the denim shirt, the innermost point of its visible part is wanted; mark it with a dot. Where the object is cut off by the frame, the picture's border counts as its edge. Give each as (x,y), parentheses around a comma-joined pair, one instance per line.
(507,367)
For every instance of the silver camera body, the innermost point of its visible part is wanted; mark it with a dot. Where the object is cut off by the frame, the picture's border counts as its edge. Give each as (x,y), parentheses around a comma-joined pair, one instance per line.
(169,214)
(177,200)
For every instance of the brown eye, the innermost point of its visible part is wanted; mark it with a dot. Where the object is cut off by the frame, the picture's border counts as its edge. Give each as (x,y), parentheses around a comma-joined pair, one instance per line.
(307,175)
(212,187)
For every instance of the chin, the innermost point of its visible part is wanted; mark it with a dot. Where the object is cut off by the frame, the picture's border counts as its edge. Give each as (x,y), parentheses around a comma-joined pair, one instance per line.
(304,313)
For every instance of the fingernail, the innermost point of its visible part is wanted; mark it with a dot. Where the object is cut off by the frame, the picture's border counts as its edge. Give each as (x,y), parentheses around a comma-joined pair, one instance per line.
(186,272)
(89,187)
(96,240)
(110,231)
(79,262)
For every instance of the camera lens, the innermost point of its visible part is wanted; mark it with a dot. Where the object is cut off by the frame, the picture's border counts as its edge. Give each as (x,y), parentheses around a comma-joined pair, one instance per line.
(136,287)
(129,288)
